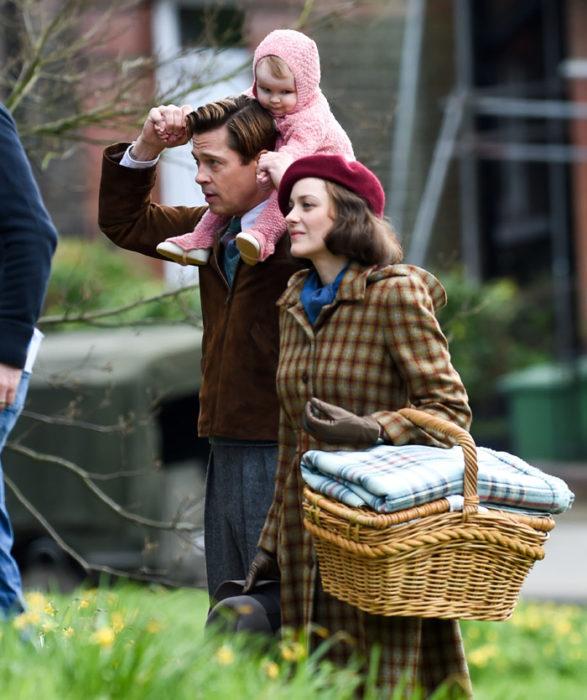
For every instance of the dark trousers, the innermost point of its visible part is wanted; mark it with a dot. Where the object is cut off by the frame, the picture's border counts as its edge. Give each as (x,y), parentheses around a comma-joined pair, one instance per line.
(240,481)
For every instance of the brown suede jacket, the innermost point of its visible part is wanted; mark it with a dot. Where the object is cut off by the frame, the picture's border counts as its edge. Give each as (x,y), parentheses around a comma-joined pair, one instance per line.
(240,345)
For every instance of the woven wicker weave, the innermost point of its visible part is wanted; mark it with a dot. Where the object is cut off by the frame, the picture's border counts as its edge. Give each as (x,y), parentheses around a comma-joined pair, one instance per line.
(426,561)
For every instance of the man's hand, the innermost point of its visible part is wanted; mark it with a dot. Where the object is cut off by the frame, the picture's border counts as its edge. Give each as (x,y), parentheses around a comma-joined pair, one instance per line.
(272,165)
(263,566)
(9,379)
(335,425)
(165,127)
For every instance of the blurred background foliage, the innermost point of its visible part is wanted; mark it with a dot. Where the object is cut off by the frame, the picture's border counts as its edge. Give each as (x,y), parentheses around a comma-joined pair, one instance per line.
(94,276)
(493,328)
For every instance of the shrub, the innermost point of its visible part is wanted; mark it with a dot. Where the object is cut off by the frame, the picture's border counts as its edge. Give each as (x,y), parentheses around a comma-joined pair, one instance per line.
(493,328)
(89,276)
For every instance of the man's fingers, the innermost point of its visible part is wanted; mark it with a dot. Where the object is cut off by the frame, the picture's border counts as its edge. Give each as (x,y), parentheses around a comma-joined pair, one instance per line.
(156,115)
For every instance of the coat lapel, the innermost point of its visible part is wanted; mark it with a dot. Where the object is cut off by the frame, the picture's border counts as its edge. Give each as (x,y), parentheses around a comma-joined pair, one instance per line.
(351,290)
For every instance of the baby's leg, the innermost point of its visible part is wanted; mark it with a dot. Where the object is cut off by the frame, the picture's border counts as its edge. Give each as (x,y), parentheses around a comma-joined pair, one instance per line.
(193,248)
(257,244)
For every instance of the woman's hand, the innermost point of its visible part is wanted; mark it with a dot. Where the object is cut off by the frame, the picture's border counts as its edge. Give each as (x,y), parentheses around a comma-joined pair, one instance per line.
(336,425)
(271,166)
(263,566)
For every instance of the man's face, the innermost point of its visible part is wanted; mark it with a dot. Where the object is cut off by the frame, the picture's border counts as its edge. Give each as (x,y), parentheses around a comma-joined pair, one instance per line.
(229,186)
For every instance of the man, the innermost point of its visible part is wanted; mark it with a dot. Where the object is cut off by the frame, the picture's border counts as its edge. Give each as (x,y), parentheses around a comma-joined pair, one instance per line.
(238,402)
(27,242)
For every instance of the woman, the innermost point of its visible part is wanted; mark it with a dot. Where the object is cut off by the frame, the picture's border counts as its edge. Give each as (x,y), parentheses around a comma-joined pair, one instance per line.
(359,340)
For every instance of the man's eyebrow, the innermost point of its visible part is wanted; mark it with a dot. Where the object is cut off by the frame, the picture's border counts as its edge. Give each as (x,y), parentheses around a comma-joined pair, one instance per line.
(207,154)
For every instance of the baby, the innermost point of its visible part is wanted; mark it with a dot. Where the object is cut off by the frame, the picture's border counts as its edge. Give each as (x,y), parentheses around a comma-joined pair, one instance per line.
(286,69)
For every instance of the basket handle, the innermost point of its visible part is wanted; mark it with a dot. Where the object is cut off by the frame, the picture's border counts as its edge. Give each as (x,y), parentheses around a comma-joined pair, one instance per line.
(464,439)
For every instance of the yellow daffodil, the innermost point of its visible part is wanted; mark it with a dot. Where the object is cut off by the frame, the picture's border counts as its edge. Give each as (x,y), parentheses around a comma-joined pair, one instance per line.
(35,600)
(271,669)
(292,651)
(153,626)
(68,632)
(20,622)
(84,603)
(482,655)
(563,627)
(49,609)
(29,617)
(225,655)
(117,622)
(104,637)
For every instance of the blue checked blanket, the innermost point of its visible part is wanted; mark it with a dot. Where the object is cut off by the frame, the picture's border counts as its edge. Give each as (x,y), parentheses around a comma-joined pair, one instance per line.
(388,478)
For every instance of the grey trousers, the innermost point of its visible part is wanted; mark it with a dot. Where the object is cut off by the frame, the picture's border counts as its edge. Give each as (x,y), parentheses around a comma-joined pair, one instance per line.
(240,481)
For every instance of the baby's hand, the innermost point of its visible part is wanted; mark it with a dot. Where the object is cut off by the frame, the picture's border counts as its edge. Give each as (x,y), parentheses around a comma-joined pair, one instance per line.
(263,178)
(274,163)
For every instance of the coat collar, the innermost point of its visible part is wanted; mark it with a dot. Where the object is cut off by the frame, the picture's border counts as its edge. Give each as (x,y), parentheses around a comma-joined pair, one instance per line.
(352,289)
(352,286)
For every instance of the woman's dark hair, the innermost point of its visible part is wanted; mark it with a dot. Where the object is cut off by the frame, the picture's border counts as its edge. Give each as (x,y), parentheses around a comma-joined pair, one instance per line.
(357,233)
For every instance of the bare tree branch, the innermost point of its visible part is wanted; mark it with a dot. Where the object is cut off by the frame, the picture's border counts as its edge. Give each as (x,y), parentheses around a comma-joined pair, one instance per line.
(86,566)
(123,426)
(94,315)
(172,525)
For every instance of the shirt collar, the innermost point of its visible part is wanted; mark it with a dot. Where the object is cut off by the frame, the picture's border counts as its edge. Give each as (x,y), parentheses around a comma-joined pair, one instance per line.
(249,218)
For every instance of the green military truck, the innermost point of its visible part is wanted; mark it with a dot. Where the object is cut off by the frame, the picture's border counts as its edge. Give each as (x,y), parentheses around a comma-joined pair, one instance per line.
(117,408)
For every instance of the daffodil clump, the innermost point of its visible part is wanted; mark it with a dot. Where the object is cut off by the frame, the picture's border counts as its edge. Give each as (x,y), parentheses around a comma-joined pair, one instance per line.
(543,643)
(91,617)
(147,643)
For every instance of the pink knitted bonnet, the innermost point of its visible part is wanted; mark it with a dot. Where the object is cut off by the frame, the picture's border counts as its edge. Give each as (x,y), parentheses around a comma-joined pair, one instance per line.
(301,55)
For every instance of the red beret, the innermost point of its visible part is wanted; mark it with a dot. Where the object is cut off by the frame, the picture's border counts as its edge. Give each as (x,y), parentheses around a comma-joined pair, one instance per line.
(350,174)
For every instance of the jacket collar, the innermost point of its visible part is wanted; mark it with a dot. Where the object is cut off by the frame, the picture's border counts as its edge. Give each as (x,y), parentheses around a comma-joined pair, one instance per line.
(352,289)
(352,286)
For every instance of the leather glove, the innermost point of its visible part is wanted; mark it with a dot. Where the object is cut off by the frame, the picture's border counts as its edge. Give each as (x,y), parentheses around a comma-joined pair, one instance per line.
(263,566)
(336,425)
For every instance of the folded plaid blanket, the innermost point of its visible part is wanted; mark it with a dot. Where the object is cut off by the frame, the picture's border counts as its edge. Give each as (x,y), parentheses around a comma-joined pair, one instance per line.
(388,478)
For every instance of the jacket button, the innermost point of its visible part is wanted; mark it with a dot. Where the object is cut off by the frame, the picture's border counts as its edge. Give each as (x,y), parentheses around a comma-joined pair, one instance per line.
(305,378)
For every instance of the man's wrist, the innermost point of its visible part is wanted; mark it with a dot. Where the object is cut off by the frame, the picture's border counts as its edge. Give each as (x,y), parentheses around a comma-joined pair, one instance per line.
(142,151)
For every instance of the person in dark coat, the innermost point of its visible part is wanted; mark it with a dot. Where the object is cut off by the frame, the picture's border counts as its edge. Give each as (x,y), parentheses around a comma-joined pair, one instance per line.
(27,242)
(238,403)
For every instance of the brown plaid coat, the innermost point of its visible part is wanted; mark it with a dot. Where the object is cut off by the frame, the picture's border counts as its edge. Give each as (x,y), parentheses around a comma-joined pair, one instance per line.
(377,348)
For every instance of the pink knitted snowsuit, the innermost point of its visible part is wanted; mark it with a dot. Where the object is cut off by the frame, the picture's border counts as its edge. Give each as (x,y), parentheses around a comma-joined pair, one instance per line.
(310,128)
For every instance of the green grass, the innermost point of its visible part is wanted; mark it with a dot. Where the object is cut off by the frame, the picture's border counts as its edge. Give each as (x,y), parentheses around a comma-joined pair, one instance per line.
(148,643)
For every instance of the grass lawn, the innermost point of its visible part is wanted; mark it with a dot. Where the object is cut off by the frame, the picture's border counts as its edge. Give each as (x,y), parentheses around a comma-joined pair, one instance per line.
(147,643)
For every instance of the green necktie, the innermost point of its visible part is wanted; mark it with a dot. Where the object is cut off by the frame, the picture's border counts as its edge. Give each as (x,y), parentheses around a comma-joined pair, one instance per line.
(231,254)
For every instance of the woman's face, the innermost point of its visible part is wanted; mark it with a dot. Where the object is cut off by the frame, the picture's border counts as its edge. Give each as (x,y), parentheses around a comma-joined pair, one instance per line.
(310,219)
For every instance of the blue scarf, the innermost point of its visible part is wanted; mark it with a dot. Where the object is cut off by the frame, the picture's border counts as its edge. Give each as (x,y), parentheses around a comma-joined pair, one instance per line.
(314,295)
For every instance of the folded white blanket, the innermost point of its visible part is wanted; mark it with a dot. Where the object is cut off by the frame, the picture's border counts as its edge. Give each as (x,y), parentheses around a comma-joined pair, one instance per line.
(388,478)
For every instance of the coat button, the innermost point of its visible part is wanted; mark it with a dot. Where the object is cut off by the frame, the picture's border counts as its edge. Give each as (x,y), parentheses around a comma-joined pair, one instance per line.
(305,377)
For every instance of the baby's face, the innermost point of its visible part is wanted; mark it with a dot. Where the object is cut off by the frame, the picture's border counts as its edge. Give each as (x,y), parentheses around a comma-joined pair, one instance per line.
(277,95)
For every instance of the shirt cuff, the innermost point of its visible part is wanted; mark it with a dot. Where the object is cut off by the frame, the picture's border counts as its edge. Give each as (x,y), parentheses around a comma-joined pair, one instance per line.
(127,161)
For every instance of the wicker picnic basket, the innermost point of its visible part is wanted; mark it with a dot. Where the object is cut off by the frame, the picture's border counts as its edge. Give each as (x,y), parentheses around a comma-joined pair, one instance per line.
(426,561)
